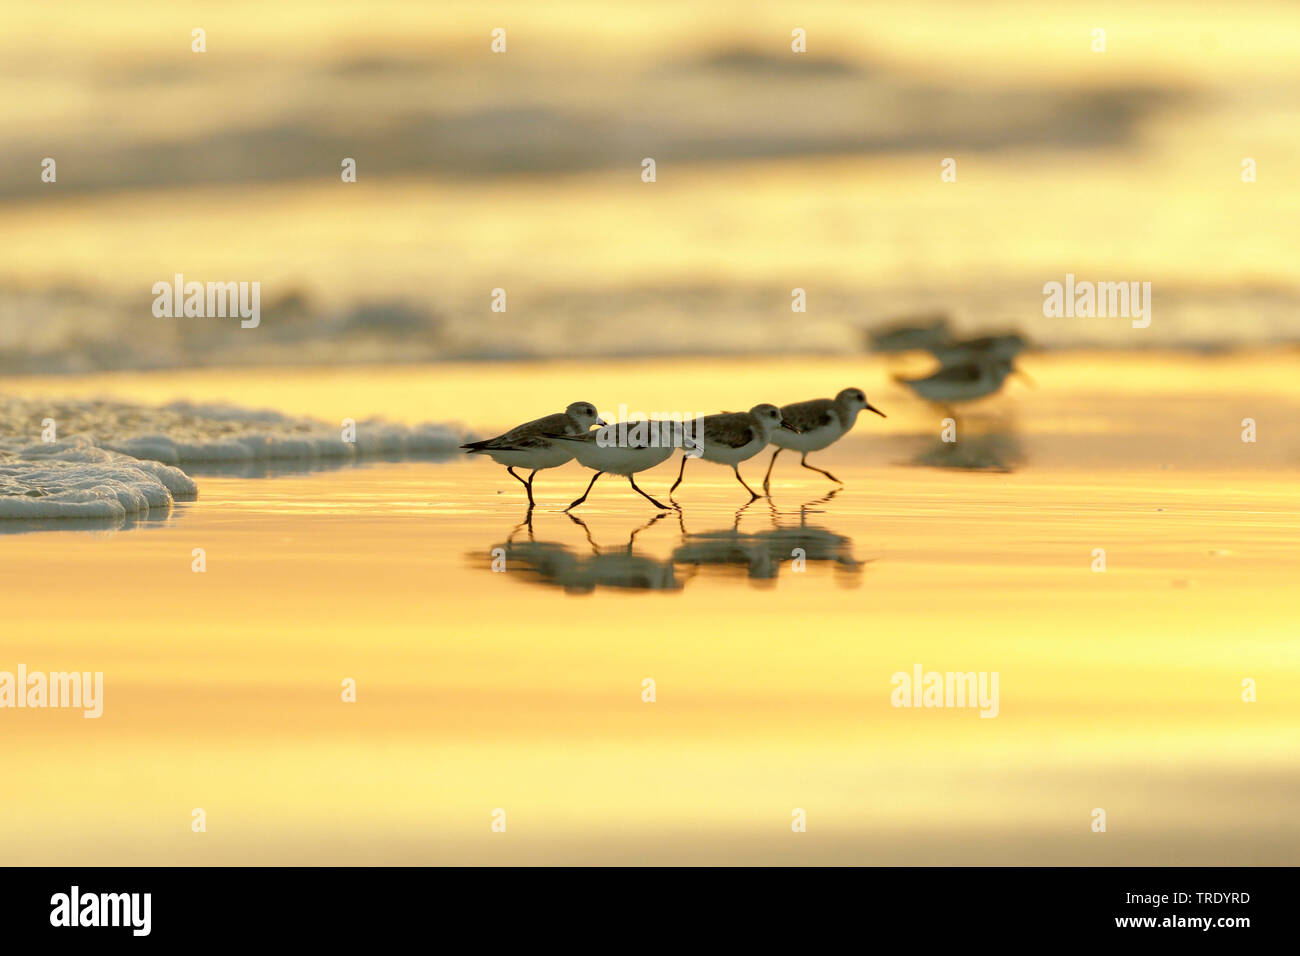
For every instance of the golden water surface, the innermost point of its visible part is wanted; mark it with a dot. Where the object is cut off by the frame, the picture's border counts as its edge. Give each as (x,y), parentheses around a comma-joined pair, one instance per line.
(523,690)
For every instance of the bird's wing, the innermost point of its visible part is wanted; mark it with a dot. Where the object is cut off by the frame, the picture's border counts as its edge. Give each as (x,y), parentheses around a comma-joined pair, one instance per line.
(806,416)
(955,374)
(967,372)
(557,424)
(522,443)
(734,431)
(532,434)
(588,437)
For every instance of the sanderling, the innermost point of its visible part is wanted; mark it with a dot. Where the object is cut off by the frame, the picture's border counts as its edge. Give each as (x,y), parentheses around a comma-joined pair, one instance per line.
(624,449)
(962,382)
(535,444)
(911,334)
(733,437)
(988,347)
(821,422)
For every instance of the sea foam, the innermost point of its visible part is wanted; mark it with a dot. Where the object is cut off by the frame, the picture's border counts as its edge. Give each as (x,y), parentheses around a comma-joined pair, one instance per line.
(113,459)
(75,479)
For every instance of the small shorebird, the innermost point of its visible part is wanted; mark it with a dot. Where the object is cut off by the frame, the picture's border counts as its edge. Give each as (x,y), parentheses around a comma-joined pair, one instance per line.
(538,444)
(624,449)
(986,348)
(918,333)
(820,422)
(733,437)
(961,382)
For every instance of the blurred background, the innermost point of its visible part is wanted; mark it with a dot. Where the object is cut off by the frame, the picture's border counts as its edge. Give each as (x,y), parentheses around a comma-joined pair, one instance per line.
(522,171)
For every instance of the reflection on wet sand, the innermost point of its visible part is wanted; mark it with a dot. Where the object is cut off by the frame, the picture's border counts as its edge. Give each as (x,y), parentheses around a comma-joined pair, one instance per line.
(156,518)
(758,556)
(974,444)
(241,468)
(557,565)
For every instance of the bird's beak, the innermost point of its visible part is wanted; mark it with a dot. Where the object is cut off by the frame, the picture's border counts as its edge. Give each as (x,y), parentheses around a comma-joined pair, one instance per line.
(788,427)
(872,408)
(601,422)
(1025,376)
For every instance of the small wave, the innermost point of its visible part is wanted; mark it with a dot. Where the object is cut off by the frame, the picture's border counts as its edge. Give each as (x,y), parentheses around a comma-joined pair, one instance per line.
(120,460)
(76,479)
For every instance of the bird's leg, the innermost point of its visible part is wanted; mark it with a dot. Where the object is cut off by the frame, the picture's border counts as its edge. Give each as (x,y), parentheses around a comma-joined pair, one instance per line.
(768,477)
(820,501)
(632,482)
(735,525)
(595,548)
(585,493)
(528,485)
(752,493)
(804,461)
(681,471)
(632,537)
(526,523)
(776,515)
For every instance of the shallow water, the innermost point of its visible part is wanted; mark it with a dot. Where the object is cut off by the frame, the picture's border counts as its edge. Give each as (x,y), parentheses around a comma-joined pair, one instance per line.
(522,689)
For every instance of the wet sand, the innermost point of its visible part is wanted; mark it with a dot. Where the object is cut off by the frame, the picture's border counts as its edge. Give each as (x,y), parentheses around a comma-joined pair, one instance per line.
(522,690)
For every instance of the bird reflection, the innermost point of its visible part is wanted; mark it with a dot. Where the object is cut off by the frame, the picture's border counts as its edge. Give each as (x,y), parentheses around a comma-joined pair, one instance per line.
(790,542)
(978,445)
(760,555)
(555,564)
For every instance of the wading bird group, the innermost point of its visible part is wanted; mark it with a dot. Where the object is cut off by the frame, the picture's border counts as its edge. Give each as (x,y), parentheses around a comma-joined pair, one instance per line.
(969,369)
(631,447)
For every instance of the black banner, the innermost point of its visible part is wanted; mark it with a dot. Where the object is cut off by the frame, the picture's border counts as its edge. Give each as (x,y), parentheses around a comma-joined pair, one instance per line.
(1151,905)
